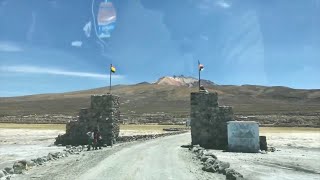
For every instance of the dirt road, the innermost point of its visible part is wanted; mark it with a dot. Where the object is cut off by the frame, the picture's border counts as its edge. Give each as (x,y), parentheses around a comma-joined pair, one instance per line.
(164,159)
(161,158)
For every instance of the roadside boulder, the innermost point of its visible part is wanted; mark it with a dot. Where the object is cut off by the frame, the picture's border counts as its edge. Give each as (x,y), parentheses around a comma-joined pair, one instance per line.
(9,170)
(210,153)
(210,160)
(263,152)
(231,174)
(20,166)
(196,148)
(210,165)
(56,155)
(204,158)
(200,153)
(50,157)
(65,155)
(189,146)
(2,174)
(38,161)
(271,149)
(209,168)
(31,163)
(223,166)
(80,148)
(44,158)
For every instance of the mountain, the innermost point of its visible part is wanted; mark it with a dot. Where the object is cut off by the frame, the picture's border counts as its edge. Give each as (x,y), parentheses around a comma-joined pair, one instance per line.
(182,81)
(173,99)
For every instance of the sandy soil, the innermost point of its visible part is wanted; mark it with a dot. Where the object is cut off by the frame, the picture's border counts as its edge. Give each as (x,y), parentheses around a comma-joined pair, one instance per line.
(17,144)
(135,132)
(297,155)
(156,158)
(310,138)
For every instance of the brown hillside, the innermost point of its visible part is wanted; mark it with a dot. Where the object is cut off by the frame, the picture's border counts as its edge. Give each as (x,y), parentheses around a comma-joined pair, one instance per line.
(148,98)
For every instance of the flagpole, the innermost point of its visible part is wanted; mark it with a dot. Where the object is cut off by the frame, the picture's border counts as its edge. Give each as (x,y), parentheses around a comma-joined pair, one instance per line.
(110,79)
(199,73)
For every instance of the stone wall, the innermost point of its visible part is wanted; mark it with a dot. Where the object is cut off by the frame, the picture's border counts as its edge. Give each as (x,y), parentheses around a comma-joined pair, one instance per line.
(209,121)
(103,114)
(37,119)
(284,120)
(158,117)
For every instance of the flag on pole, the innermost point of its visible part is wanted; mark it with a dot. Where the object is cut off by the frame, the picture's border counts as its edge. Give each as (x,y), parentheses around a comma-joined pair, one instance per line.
(112,69)
(201,67)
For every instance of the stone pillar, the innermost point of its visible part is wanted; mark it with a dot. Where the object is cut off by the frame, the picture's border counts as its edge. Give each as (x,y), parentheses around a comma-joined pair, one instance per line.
(106,113)
(103,114)
(263,143)
(84,115)
(209,121)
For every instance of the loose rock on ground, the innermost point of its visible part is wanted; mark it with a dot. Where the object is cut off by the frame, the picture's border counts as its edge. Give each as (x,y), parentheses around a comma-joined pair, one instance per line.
(213,165)
(2,174)
(231,174)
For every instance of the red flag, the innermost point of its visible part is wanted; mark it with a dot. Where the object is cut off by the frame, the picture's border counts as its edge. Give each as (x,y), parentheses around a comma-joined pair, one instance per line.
(201,67)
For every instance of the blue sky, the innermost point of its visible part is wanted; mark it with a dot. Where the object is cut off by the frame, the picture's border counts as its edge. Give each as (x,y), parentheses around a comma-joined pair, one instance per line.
(44,49)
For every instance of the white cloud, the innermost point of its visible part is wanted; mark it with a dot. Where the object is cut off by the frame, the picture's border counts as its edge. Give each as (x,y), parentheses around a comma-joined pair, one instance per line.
(76,43)
(223,4)
(32,26)
(54,71)
(208,6)
(9,47)
(87,29)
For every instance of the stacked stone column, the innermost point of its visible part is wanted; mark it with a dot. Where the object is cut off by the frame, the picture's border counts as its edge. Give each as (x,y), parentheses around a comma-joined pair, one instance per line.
(104,114)
(209,121)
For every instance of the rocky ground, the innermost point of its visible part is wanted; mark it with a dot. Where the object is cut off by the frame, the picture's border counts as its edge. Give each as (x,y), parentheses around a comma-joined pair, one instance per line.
(16,144)
(19,144)
(133,160)
(269,120)
(283,164)
(284,120)
(296,157)
(45,119)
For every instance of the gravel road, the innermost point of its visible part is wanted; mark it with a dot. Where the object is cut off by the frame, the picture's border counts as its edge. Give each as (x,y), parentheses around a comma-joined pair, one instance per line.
(161,158)
(164,159)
